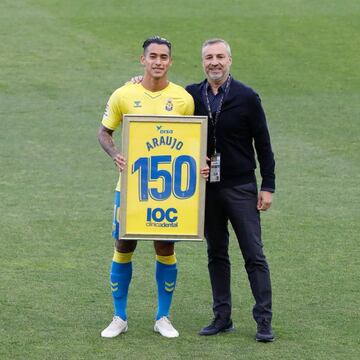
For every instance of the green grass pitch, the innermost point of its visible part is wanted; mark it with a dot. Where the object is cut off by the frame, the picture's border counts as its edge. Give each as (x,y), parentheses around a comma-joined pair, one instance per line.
(59,62)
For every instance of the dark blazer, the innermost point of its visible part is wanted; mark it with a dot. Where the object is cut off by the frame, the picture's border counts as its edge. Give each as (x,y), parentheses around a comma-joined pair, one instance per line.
(240,131)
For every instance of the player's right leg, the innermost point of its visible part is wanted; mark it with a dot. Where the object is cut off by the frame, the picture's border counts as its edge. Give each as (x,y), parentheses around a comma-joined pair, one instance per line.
(120,278)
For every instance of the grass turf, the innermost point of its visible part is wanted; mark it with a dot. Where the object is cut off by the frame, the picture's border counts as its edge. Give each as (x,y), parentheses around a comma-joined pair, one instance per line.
(60,61)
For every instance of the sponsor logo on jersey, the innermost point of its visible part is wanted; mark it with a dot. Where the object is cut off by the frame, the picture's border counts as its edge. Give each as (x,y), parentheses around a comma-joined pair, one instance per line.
(159,217)
(137,104)
(161,130)
(169,105)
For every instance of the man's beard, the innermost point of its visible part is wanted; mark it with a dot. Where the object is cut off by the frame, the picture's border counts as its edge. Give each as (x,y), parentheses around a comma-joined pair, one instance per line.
(216,77)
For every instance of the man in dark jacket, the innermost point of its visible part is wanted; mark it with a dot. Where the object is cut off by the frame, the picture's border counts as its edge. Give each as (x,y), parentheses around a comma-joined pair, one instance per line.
(237,125)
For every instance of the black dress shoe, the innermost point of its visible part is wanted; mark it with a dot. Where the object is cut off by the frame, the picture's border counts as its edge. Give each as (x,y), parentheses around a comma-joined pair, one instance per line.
(217,326)
(264,333)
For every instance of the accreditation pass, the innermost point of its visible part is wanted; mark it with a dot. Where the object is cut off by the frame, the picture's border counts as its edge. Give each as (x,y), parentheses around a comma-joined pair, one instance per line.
(215,168)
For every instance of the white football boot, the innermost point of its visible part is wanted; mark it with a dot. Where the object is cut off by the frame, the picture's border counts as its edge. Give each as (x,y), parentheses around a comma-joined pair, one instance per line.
(165,328)
(116,327)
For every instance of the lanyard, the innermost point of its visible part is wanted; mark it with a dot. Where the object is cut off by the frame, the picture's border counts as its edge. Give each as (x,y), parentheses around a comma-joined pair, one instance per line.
(218,110)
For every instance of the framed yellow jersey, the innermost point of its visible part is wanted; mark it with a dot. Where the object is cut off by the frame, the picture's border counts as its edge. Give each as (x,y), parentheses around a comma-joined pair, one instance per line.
(162,192)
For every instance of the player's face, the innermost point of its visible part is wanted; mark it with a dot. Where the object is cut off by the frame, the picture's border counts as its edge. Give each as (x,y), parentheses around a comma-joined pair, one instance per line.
(216,62)
(156,60)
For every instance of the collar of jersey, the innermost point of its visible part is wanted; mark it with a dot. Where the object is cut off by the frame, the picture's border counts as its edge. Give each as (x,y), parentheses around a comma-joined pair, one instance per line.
(154,94)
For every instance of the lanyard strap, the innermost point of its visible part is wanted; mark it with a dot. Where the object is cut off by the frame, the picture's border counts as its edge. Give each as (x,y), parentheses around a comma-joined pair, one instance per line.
(218,110)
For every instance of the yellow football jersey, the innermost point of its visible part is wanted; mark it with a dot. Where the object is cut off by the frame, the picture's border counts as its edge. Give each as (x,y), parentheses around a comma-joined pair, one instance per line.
(135,99)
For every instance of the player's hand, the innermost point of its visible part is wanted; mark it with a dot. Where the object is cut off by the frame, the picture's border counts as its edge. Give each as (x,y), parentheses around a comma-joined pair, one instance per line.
(136,79)
(119,161)
(264,200)
(205,171)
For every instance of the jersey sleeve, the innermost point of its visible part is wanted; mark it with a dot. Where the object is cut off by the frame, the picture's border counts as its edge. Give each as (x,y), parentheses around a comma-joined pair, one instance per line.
(113,115)
(190,107)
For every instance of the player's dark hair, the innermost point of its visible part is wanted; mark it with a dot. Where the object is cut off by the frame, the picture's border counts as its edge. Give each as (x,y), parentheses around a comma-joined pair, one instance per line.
(156,40)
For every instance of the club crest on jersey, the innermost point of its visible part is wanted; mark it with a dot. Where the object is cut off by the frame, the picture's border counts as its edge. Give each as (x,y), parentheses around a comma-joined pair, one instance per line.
(137,104)
(169,105)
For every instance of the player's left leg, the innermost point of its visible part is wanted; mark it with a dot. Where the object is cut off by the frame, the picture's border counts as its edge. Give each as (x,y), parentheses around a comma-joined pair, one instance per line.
(166,274)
